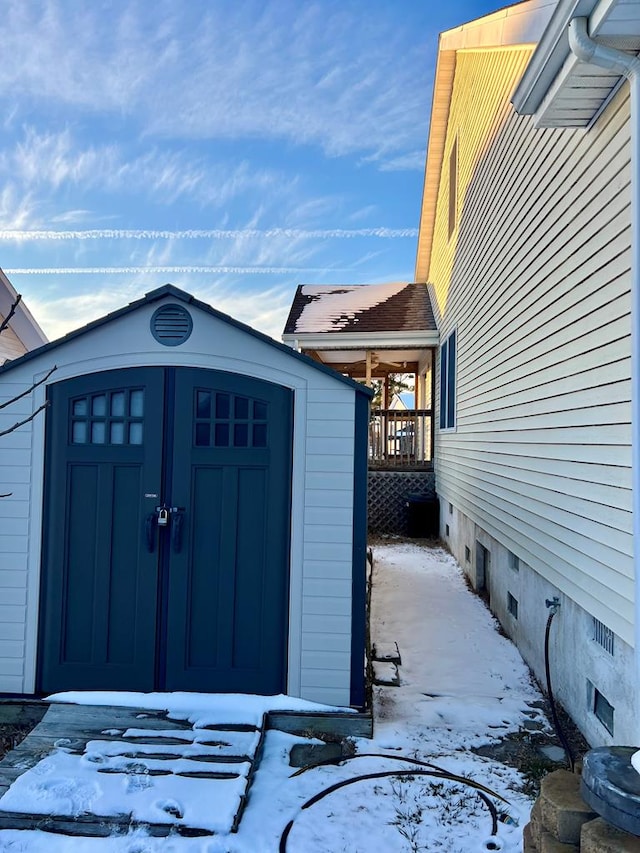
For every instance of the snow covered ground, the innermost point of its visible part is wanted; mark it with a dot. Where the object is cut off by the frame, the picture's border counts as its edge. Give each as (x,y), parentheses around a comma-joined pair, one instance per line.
(462,684)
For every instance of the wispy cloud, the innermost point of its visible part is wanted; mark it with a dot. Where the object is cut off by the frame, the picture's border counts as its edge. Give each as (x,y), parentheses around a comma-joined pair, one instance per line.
(206,234)
(54,159)
(167,269)
(312,73)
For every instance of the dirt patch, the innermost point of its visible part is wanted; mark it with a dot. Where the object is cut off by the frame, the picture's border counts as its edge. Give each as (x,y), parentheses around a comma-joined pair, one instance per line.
(17,719)
(535,751)
(11,735)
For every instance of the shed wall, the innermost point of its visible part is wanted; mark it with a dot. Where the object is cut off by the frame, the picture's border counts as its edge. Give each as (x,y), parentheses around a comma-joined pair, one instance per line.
(536,281)
(322,491)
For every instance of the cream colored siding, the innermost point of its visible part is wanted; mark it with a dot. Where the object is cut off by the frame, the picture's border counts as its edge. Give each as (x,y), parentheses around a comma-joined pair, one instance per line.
(10,345)
(537,285)
(319,650)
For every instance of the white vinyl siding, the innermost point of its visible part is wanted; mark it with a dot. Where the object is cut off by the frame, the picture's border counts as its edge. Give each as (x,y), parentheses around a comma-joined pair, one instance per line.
(540,295)
(319,651)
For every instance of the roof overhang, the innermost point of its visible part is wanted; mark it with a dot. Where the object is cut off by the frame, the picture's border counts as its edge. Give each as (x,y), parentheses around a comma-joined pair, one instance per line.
(519,25)
(557,88)
(22,323)
(363,340)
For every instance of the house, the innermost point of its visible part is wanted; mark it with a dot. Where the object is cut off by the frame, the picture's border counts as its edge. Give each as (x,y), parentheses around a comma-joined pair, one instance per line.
(21,332)
(188,514)
(371,332)
(529,246)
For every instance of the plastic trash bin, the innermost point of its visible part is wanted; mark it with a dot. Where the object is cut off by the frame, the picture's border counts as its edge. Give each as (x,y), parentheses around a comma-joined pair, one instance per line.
(423,516)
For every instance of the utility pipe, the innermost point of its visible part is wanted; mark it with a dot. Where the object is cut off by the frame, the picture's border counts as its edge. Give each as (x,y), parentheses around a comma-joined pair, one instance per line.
(586,49)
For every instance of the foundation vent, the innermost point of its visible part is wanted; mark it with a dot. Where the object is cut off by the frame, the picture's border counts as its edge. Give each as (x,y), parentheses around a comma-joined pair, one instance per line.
(603,710)
(602,635)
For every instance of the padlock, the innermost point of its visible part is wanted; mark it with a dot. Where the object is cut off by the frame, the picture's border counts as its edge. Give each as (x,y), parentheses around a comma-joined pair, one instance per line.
(163,516)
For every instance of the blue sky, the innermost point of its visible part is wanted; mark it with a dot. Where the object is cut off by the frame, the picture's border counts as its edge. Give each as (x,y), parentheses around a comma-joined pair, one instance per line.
(234,148)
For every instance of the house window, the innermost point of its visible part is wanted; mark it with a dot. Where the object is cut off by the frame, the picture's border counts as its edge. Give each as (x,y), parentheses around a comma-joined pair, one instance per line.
(448,383)
(453,187)
(514,562)
(512,605)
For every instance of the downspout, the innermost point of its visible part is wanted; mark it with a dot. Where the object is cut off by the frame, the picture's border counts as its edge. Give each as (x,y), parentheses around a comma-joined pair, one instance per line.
(583,46)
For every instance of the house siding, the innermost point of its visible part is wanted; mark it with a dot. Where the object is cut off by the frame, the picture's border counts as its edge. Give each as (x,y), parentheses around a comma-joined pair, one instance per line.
(322,491)
(536,280)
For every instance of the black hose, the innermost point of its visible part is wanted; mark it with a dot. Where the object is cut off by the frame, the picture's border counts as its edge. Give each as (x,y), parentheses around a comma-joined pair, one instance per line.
(554,714)
(343,759)
(397,773)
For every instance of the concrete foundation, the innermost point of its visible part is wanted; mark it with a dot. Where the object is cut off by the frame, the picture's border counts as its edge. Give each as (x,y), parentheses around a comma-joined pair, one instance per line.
(592,670)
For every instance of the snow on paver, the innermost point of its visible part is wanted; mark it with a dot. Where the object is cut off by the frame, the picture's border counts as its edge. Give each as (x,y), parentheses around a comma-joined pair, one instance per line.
(462,684)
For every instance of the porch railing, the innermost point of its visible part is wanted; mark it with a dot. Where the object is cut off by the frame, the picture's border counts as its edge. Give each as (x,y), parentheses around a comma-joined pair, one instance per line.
(401,437)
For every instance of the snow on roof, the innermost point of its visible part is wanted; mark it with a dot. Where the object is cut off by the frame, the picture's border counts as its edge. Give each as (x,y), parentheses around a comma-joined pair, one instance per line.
(393,306)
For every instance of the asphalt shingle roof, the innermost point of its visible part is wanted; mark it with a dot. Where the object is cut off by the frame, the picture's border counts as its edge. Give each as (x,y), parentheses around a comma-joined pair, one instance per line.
(360,308)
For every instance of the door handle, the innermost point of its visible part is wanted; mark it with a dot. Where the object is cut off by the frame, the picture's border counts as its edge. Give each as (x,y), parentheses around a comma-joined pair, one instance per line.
(150,531)
(177,525)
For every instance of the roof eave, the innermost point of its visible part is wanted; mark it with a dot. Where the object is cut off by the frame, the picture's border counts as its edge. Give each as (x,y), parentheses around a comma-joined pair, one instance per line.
(363,340)
(549,56)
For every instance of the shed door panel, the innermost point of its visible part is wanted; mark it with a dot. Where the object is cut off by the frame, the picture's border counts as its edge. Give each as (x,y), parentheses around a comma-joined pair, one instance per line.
(228,582)
(100,581)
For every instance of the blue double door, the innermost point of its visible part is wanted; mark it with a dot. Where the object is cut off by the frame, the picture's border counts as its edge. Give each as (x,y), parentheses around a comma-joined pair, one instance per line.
(166,546)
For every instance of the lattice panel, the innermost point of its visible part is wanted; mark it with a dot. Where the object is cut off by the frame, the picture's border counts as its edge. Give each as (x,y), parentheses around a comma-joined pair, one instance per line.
(387,498)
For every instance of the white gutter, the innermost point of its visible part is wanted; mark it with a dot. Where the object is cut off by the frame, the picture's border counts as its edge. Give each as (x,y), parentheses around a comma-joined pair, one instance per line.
(624,63)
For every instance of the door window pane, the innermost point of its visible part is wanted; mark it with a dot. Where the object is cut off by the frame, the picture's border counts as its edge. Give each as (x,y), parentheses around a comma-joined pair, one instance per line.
(202,435)
(80,407)
(99,406)
(241,435)
(136,404)
(97,432)
(222,435)
(117,404)
(222,406)
(203,404)
(259,410)
(117,432)
(241,408)
(259,435)
(135,433)
(79,432)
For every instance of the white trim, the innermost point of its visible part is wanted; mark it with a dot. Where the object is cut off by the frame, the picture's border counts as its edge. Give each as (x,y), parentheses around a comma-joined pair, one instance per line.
(363,340)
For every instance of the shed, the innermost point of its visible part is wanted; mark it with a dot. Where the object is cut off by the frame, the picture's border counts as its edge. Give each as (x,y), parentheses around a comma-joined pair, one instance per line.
(189,513)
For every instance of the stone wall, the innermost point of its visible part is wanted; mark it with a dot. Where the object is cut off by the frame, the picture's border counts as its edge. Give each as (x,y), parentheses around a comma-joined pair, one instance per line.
(561,822)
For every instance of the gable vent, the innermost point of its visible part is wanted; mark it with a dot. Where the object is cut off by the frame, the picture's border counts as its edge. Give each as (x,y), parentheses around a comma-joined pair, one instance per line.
(171,325)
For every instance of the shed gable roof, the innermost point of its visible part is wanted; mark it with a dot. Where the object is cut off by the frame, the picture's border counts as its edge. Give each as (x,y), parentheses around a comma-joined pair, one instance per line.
(169,290)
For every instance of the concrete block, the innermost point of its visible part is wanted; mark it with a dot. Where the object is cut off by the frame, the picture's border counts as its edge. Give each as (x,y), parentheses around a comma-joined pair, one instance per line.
(563,809)
(535,822)
(528,844)
(305,754)
(598,836)
(550,844)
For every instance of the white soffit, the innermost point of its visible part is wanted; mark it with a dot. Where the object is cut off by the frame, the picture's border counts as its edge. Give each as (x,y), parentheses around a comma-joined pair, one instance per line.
(580,91)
